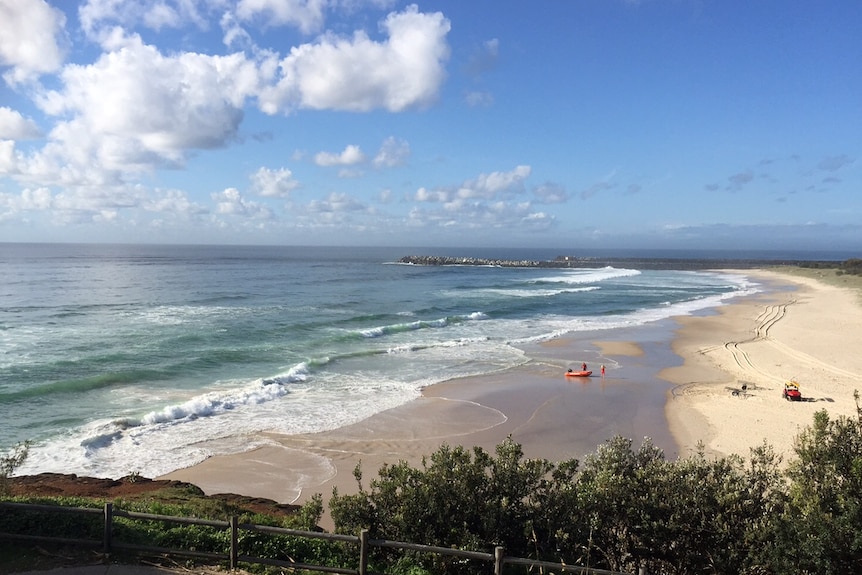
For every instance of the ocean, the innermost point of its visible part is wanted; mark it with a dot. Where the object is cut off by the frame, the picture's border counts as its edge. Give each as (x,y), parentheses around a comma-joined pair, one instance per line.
(123,359)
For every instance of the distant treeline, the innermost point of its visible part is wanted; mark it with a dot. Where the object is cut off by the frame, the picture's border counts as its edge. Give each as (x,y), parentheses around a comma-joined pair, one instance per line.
(853,266)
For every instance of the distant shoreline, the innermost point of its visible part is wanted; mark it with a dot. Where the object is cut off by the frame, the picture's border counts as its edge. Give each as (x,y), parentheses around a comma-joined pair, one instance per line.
(639,263)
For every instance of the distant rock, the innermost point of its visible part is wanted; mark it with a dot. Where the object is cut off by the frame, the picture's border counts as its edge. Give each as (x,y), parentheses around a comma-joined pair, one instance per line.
(621,262)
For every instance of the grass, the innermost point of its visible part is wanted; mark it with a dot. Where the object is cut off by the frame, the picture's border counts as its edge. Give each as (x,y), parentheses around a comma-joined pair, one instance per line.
(182,500)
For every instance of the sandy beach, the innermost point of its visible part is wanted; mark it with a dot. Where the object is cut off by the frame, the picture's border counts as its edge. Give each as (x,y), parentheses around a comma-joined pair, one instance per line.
(679,384)
(810,334)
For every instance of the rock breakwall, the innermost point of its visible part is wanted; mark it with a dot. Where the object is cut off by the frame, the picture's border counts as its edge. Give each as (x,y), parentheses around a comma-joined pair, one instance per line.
(589,262)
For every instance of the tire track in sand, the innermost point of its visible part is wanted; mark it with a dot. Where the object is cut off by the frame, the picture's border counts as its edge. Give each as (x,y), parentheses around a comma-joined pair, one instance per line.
(766,320)
(771,315)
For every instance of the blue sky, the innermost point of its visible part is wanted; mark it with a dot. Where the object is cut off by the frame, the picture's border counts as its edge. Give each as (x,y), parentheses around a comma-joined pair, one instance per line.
(578,124)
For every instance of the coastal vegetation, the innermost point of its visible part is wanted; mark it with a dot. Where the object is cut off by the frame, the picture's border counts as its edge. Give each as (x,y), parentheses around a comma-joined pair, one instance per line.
(625,507)
(853,266)
(9,462)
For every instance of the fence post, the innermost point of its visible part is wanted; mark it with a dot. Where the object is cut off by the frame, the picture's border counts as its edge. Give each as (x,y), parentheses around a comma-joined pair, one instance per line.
(498,560)
(108,527)
(234,541)
(363,552)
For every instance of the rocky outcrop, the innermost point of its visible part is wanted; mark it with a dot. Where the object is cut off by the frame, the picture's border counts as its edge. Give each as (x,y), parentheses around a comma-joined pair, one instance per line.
(450,261)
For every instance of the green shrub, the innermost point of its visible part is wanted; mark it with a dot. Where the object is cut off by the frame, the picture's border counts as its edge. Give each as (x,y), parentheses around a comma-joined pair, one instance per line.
(10,462)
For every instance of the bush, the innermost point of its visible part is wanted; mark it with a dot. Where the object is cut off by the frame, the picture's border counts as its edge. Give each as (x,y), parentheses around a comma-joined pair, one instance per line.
(10,462)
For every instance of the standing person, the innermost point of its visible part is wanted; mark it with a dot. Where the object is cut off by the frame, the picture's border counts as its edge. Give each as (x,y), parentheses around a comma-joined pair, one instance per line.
(584,366)
(603,370)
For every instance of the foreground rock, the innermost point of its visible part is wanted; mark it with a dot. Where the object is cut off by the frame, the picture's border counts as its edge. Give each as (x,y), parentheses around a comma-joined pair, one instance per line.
(71,485)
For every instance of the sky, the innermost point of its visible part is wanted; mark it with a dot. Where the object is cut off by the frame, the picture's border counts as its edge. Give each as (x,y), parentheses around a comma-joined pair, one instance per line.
(580,124)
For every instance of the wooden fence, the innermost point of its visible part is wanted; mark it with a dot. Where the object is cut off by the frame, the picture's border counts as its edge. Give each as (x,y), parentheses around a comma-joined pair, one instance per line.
(233,557)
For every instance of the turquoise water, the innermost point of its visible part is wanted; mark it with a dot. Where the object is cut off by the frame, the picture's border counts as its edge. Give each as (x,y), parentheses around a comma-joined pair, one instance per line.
(121,359)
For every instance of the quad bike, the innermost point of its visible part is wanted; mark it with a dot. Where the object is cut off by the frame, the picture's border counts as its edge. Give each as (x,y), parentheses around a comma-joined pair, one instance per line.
(791,391)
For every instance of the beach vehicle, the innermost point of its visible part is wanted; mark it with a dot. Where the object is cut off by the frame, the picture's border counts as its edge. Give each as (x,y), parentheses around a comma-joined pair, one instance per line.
(571,373)
(791,391)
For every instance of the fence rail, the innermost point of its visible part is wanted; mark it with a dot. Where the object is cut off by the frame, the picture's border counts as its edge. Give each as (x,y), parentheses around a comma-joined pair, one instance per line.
(232,556)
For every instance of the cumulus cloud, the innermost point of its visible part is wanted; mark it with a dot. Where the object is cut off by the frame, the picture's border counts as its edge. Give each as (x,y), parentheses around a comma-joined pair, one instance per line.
(230,202)
(14,126)
(29,200)
(31,39)
(358,74)
(98,17)
(475,214)
(485,202)
(307,15)
(351,155)
(336,203)
(484,186)
(135,108)
(495,183)
(173,203)
(274,183)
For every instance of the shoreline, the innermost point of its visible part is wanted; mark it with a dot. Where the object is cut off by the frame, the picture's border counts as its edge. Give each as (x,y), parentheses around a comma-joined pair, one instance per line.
(672,382)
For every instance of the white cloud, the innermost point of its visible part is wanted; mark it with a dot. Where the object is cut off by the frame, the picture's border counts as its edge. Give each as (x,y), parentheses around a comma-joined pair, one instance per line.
(134,108)
(231,203)
(29,200)
(98,17)
(360,75)
(336,203)
(8,158)
(351,155)
(483,187)
(174,203)
(393,153)
(274,183)
(484,202)
(425,195)
(307,15)
(14,126)
(463,214)
(31,39)
(489,185)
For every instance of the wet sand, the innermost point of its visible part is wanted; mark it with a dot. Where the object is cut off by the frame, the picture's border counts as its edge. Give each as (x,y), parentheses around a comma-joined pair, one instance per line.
(550,415)
(672,381)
